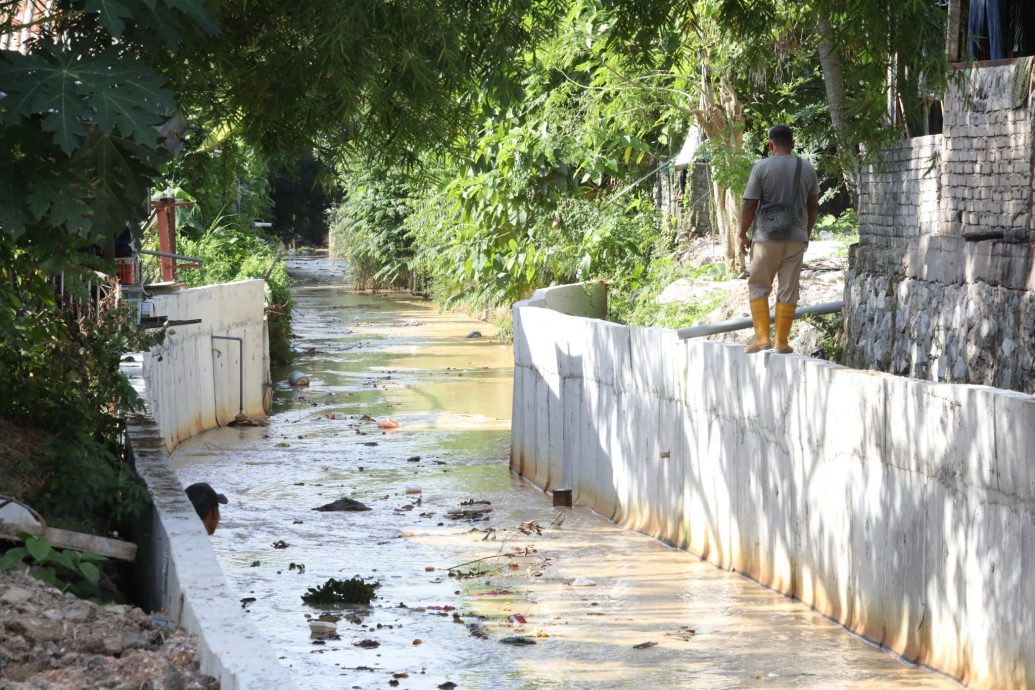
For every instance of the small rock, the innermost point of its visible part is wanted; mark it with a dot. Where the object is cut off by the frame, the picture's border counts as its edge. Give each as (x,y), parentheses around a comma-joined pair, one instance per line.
(518,640)
(474,334)
(343,504)
(16,595)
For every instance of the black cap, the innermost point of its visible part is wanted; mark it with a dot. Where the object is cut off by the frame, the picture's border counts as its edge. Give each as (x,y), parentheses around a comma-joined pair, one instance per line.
(781,133)
(204,498)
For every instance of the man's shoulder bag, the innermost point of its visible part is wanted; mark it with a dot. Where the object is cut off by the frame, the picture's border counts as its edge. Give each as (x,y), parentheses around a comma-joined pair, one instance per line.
(778,217)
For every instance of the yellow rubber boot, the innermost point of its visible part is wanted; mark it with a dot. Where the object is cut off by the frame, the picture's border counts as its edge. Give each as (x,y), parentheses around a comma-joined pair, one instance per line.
(760,317)
(784,319)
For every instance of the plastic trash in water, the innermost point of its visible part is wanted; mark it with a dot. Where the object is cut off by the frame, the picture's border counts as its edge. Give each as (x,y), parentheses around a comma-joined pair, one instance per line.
(388,423)
(518,639)
(583,582)
(298,378)
(322,627)
(478,630)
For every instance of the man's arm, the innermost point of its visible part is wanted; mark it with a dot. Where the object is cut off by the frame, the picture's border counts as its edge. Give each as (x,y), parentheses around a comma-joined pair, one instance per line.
(812,208)
(747,217)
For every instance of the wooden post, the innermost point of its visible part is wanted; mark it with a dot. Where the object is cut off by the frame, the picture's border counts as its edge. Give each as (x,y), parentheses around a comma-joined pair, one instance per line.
(166,218)
(952,31)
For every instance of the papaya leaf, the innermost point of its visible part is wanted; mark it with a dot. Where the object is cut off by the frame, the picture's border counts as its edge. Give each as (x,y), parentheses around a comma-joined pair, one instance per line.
(113,14)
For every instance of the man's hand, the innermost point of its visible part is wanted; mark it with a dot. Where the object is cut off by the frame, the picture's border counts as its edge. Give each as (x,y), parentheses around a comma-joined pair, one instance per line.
(745,243)
(747,217)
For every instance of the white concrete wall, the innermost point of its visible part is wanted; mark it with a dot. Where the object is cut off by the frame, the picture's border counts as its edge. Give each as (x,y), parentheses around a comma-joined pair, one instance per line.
(192,380)
(903,509)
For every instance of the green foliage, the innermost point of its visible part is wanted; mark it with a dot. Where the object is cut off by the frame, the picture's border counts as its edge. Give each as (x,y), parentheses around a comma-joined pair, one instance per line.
(334,591)
(831,329)
(62,376)
(844,227)
(640,307)
(69,571)
(367,231)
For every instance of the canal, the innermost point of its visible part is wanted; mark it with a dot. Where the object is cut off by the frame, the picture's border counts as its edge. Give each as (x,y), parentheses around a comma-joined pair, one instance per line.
(595,606)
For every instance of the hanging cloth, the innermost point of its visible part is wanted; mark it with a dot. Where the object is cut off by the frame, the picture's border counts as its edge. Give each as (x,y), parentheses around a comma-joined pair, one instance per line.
(1022,76)
(985,30)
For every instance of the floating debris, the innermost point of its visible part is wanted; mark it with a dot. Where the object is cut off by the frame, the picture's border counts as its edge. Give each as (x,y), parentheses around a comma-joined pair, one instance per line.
(319,627)
(530,527)
(342,505)
(334,591)
(518,640)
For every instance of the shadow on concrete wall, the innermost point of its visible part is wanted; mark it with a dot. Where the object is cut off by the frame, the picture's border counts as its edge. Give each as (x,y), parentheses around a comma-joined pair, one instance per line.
(900,508)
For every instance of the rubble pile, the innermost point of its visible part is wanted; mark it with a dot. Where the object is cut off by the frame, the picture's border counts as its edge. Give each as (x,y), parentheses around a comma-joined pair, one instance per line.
(50,639)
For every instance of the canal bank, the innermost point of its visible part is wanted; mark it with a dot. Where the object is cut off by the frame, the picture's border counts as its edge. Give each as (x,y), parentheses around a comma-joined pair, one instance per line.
(605,607)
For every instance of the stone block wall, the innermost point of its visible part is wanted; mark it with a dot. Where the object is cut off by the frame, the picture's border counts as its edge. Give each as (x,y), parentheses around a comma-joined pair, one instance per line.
(986,157)
(942,283)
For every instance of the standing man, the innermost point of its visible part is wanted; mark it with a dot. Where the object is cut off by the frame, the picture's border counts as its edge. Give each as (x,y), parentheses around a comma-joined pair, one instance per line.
(782,199)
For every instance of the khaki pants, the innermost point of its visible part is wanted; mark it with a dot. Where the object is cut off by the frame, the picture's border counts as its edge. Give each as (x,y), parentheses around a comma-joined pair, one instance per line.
(771,260)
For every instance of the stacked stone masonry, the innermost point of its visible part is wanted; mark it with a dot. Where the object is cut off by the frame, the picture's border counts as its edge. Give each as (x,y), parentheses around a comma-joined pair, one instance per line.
(942,283)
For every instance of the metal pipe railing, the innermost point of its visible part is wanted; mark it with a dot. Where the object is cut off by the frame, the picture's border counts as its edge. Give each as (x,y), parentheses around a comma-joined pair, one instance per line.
(740,324)
(240,367)
(168,255)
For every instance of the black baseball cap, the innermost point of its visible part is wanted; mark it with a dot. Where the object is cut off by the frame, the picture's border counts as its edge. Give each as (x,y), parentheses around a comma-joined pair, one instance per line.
(204,498)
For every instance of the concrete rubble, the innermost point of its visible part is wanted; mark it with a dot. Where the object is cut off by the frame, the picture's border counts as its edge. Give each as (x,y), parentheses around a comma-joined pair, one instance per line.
(53,640)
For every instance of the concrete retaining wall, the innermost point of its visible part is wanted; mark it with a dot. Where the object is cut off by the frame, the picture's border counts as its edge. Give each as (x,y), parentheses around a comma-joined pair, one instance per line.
(193,381)
(190,384)
(903,509)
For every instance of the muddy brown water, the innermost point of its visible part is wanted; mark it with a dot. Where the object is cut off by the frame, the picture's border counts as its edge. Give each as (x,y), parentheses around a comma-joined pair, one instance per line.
(393,355)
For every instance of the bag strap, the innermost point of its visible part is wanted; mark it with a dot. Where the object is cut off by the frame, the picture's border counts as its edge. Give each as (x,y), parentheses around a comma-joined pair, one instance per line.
(796,187)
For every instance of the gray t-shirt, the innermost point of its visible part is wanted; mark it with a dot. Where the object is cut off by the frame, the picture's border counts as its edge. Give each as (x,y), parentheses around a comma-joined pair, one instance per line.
(771,181)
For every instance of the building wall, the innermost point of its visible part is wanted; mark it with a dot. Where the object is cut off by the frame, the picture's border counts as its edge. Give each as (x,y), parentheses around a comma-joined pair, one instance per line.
(941,285)
(901,508)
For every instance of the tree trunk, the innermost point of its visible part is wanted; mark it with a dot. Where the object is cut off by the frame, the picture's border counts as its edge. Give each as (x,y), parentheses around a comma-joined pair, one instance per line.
(952,32)
(834,81)
(722,121)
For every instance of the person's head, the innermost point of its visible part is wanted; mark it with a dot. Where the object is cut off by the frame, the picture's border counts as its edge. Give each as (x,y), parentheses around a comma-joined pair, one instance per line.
(206,504)
(781,139)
